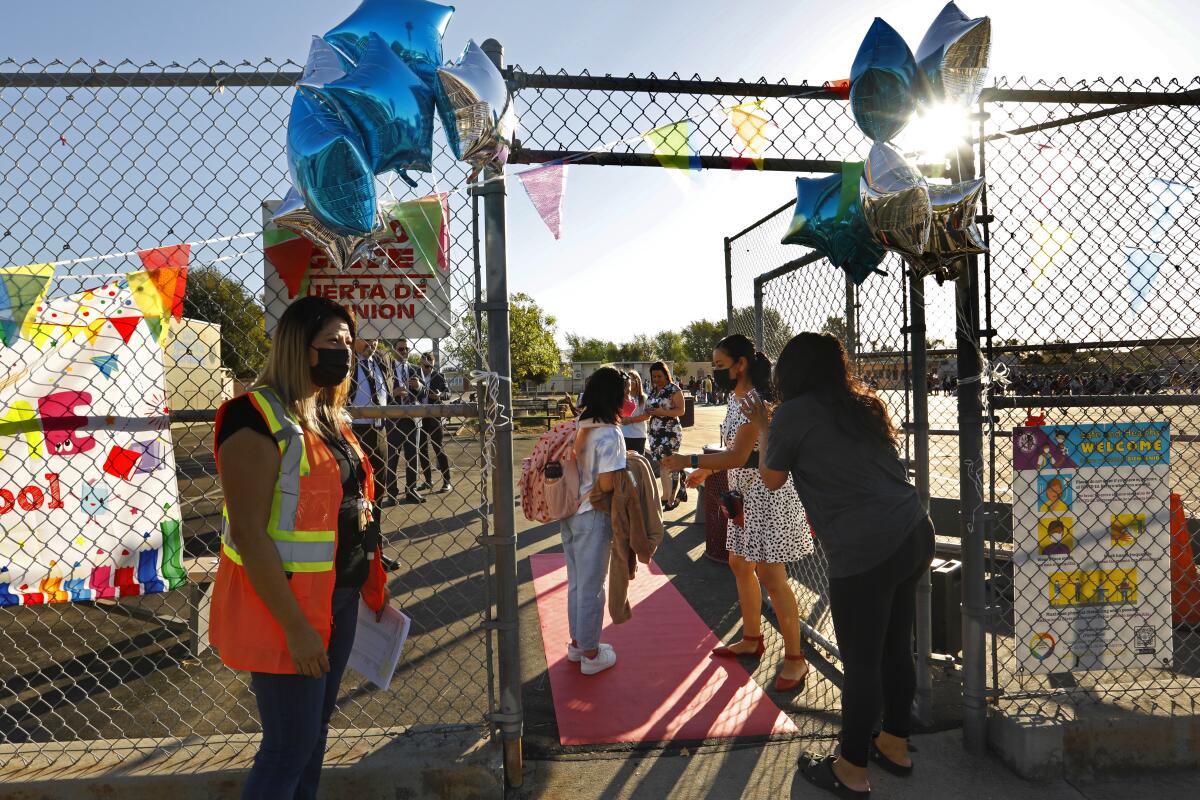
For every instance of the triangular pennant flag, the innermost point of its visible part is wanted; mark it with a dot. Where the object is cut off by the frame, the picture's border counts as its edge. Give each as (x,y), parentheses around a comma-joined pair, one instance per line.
(546,187)
(172,256)
(146,294)
(159,329)
(1049,242)
(1141,268)
(125,326)
(751,124)
(1167,201)
(290,255)
(670,143)
(24,289)
(107,364)
(171,283)
(424,221)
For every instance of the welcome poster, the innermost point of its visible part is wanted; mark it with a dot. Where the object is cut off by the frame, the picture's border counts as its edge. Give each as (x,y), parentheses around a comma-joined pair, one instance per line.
(1091,531)
(89,504)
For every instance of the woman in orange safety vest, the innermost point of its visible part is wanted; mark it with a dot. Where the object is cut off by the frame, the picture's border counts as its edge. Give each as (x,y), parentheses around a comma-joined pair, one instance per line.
(299,544)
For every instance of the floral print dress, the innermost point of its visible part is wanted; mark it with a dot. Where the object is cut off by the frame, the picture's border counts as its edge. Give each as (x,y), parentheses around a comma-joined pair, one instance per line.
(665,433)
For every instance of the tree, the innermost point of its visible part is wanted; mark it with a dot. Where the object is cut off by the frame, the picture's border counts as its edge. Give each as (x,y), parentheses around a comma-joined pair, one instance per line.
(215,297)
(532,347)
(581,348)
(835,327)
(639,348)
(669,348)
(701,337)
(776,332)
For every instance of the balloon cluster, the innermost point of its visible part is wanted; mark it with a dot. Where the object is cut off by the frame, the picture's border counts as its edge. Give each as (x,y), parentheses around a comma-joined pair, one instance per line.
(886,200)
(365,105)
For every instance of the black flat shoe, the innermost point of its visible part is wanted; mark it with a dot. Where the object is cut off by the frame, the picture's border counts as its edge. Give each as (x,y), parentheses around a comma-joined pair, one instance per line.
(888,765)
(821,774)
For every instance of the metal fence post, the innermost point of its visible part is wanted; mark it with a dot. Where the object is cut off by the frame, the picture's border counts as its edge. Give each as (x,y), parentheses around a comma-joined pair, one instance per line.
(851,321)
(729,288)
(920,434)
(970,476)
(511,716)
(758,313)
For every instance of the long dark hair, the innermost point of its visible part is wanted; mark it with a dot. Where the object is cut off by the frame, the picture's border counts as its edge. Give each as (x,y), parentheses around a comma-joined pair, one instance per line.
(660,366)
(603,396)
(738,346)
(816,363)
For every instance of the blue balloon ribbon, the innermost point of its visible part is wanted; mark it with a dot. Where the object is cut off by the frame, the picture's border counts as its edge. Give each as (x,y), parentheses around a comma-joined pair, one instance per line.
(883,83)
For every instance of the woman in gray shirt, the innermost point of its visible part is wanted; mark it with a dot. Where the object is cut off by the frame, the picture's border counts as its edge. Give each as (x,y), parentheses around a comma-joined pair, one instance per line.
(834,436)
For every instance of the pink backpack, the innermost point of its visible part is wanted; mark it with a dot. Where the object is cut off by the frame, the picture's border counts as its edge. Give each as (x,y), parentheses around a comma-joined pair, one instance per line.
(546,502)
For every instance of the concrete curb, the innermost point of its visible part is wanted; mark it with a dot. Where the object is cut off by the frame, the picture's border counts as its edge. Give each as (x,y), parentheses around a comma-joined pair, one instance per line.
(377,764)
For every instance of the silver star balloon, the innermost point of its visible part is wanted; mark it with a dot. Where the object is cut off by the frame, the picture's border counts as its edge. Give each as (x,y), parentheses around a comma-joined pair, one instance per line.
(953,56)
(484,117)
(895,201)
(953,233)
(339,249)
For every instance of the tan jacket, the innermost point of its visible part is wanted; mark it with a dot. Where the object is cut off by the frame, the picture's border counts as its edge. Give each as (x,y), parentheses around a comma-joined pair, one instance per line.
(636,509)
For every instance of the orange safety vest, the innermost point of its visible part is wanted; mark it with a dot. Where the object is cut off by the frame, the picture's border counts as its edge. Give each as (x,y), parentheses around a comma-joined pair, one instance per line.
(303,525)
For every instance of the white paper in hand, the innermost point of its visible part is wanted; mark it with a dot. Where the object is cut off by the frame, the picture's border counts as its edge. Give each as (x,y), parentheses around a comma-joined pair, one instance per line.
(377,645)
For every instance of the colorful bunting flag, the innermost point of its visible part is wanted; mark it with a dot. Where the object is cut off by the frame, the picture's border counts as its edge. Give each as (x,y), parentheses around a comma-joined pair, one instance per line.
(670,143)
(424,221)
(1047,243)
(546,187)
(290,254)
(173,256)
(21,290)
(1141,268)
(752,125)
(125,326)
(152,302)
(1167,201)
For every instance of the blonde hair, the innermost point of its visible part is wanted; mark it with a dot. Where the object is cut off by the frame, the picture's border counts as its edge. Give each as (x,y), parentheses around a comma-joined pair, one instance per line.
(288,372)
(635,376)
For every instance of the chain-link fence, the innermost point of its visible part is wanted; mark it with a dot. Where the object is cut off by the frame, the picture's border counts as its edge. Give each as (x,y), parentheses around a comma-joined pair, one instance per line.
(1085,320)
(109,160)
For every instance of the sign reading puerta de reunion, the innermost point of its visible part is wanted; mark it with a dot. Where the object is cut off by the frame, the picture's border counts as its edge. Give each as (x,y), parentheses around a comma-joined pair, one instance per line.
(1091,536)
(396,294)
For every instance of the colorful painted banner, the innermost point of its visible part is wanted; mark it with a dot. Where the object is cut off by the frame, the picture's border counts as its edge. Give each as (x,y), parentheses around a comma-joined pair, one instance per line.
(1091,556)
(89,504)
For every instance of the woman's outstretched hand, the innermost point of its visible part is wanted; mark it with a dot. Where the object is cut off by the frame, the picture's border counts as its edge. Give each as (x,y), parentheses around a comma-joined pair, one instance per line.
(755,410)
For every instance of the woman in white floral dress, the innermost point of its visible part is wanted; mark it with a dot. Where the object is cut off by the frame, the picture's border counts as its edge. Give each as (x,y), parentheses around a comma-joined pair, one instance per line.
(774,529)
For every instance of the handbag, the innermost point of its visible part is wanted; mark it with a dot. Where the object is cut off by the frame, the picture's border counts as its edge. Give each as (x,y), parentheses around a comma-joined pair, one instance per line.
(733,507)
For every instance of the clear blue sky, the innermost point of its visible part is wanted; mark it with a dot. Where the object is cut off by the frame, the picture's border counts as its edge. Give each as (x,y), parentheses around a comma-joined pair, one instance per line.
(631,238)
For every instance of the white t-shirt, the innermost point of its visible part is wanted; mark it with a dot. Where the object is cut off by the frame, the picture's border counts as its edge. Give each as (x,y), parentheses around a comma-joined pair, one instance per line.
(603,450)
(636,430)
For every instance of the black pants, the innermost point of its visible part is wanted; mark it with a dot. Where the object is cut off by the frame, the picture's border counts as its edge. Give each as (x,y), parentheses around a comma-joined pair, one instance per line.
(873,614)
(374,441)
(637,445)
(432,426)
(402,444)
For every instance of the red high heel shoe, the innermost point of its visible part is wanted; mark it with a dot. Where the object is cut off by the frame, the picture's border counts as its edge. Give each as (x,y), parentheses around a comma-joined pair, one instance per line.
(725,652)
(783,684)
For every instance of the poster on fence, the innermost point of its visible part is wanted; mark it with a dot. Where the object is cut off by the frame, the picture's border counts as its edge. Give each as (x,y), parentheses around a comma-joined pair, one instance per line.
(1091,546)
(396,294)
(89,503)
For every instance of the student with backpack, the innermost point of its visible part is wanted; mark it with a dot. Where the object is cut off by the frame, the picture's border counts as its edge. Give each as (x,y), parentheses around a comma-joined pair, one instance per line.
(599,451)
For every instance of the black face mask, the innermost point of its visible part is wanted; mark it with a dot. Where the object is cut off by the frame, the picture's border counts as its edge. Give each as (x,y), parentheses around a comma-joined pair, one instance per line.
(723,381)
(333,365)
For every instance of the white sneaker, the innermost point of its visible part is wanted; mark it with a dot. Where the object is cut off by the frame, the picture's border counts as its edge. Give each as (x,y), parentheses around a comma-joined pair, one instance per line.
(603,660)
(575,655)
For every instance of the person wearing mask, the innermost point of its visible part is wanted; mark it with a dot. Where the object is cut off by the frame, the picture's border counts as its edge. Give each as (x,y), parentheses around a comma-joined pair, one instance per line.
(587,535)
(633,413)
(837,441)
(299,547)
(774,530)
(434,391)
(664,406)
(403,433)
(369,388)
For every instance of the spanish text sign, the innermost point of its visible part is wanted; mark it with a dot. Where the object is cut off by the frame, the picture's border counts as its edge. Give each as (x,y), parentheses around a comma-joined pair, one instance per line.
(1091,535)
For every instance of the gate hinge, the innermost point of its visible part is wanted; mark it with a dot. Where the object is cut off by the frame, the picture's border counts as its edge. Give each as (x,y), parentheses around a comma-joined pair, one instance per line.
(504,718)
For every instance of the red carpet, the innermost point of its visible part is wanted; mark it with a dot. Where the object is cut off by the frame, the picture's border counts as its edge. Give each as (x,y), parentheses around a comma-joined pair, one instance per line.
(664,685)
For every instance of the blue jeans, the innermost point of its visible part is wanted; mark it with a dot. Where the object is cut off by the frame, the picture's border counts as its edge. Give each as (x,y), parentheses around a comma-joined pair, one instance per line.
(295,712)
(587,540)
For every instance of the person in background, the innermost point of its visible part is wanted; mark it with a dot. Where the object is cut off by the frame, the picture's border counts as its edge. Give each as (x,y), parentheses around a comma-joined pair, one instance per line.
(633,413)
(587,536)
(403,433)
(774,529)
(664,406)
(300,545)
(369,388)
(836,439)
(434,391)
(707,385)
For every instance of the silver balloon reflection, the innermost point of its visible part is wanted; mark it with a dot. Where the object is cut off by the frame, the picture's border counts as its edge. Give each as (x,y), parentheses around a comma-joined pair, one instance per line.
(341,251)
(484,117)
(953,233)
(322,66)
(895,201)
(953,56)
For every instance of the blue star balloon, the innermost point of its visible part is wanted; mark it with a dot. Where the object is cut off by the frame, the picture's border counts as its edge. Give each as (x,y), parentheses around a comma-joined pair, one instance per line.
(412,28)
(953,56)
(391,108)
(883,83)
(829,219)
(328,167)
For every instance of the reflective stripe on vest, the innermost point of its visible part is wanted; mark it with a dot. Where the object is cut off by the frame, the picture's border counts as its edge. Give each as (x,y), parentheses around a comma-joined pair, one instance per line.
(300,551)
